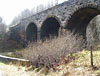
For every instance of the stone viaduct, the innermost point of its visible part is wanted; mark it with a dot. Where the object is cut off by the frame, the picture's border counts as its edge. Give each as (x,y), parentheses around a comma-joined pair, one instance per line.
(70,15)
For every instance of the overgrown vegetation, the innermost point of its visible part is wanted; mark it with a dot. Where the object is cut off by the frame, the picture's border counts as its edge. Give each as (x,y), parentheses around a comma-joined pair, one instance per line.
(50,52)
(6,45)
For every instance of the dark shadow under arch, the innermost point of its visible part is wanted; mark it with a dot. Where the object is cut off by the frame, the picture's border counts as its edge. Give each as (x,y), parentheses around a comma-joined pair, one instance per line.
(80,20)
(31,32)
(50,27)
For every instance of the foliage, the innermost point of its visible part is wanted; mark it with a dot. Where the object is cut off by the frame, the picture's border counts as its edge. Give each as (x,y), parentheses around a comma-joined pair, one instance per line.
(9,45)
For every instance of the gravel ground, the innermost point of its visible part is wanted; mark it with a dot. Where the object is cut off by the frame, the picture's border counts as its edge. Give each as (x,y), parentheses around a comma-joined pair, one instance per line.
(12,70)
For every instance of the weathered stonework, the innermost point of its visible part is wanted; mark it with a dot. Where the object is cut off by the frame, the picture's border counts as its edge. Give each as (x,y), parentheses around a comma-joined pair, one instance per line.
(72,15)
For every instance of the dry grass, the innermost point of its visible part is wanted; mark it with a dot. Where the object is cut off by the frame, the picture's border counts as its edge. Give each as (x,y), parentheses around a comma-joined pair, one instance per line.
(81,66)
(78,67)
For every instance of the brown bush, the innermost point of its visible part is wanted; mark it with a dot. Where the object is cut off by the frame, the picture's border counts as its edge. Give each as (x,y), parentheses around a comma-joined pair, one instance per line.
(50,51)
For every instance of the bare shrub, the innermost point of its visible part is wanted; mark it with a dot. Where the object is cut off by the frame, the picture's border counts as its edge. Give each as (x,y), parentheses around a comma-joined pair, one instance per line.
(50,51)
(74,42)
(46,53)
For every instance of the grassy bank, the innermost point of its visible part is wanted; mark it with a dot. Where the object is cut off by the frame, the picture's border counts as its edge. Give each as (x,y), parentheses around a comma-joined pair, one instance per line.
(78,67)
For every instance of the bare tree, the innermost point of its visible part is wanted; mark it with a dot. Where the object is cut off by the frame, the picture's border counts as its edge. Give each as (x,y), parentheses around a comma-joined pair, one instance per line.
(56,2)
(40,8)
(33,11)
(26,13)
(22,15)
(2,27)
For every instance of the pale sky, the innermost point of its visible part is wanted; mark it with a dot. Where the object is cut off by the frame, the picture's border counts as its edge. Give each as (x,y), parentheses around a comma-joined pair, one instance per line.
(11,8)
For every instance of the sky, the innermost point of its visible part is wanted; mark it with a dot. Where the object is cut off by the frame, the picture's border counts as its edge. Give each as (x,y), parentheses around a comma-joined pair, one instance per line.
(11,8)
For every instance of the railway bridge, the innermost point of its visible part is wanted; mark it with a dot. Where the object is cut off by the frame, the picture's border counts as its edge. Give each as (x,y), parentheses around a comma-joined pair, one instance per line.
(70,15)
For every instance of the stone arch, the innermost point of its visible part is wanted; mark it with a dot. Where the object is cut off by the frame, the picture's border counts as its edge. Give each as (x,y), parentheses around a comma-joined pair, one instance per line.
(50,28)
(31,32)
(80,19)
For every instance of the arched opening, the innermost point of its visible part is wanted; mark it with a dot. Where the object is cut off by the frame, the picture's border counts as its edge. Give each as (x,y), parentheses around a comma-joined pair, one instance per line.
(80,20)
(93,31)
(50,28)
(31,32)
